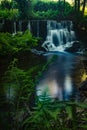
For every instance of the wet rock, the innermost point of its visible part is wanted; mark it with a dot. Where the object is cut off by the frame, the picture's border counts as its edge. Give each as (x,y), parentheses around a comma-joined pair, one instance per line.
(75,47)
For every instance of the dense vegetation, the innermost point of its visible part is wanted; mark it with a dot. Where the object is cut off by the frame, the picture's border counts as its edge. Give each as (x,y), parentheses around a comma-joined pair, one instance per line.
(20,70)
(10,44)
(27,9)
(52,10)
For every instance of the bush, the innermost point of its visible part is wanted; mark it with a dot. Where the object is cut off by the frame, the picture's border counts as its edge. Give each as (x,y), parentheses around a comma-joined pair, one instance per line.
(10,44)
(5,4)
(9,14)
(52,10)
(18,87)
(57,115)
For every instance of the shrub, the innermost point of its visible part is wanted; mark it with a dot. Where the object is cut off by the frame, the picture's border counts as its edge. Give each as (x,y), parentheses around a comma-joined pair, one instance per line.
(9,14)
(10,44)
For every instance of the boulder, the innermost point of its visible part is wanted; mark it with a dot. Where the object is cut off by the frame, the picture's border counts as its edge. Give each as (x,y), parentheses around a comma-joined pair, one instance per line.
(74,48)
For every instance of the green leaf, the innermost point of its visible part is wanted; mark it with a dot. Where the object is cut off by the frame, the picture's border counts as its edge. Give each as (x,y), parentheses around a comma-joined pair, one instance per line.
(69,111)
(84,126)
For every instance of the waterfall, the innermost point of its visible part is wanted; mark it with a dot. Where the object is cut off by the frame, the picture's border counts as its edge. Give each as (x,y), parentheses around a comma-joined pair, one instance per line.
(59,36)
(57,81)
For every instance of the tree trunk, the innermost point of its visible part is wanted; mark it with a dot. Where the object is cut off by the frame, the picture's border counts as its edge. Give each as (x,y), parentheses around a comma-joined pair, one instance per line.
(84,4)
(64,4)
(75,1)
(78,5)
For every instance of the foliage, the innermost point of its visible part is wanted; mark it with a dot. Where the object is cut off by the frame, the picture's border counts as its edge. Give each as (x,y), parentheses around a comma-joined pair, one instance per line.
(25,8)
(57,115)
(19,87)
(15,9)
(52,10)
(10,44)
(43,6)
(5,4)
(83,22)
(45,15)
(8,10)
(9,14)
(19,109)
(22,82)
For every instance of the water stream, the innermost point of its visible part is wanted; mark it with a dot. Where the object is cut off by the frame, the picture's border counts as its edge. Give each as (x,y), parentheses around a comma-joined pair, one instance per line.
(57,82)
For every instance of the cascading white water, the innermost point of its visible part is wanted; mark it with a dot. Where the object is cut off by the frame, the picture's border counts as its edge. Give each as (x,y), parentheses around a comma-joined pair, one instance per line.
(59,36)
(57,81)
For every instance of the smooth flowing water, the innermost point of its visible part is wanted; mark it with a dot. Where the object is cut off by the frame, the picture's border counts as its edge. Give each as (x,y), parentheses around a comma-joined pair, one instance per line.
(57,81)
